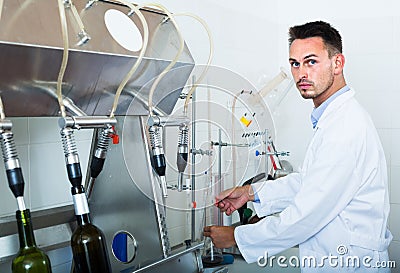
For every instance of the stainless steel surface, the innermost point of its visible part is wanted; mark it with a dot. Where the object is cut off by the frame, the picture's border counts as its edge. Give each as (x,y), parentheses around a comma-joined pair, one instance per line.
(188,255)
(122,197)
(127,197)
(86,122)
(31,53)
(5,124)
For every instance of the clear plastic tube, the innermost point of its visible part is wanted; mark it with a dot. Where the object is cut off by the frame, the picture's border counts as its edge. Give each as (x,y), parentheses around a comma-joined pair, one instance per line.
(64,31)
(173,62)
(1,7)
(82,34)
(77,17)
(210,56)
(2,113)
(140,57)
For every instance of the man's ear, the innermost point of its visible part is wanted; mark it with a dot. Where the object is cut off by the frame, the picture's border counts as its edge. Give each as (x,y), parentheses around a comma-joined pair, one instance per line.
(339,63)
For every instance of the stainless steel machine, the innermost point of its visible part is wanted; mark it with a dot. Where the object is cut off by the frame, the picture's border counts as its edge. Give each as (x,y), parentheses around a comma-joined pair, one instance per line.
(126,198)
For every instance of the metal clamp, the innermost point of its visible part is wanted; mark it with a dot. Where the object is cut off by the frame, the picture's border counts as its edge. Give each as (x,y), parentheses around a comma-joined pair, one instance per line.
(201,152)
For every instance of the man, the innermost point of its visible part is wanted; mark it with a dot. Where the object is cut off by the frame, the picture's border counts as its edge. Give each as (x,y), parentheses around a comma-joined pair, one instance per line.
(336,208)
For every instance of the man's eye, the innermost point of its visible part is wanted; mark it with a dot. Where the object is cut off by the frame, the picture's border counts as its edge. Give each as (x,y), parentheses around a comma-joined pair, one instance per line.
(312,62)
(295,64)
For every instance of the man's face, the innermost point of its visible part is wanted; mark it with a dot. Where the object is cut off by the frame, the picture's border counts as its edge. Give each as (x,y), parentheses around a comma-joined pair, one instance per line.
(312,69)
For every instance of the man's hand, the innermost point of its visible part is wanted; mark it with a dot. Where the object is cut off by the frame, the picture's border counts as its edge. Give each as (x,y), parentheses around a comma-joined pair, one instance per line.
(234,198)
(221,236)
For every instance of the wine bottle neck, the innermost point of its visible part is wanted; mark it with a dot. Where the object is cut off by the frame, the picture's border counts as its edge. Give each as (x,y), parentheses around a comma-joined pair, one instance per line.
(25,230)
(81,205)
(83,219)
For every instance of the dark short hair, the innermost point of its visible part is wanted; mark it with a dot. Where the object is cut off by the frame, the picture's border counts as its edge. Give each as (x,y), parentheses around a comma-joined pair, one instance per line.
(330,36)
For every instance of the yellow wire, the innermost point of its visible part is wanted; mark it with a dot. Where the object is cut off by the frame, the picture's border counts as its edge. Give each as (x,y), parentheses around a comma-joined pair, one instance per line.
(210,56)
(140,57)
(64,30)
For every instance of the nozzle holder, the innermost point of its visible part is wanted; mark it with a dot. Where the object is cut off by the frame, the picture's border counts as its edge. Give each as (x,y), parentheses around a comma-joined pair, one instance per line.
(86,122)
(5,125)
(167,121)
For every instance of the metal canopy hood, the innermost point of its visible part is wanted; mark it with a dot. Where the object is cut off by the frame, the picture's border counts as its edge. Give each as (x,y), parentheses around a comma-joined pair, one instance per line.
(31,51)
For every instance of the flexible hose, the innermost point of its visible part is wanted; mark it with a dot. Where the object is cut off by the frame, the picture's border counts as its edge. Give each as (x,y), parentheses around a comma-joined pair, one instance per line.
(2,113)
(64,31)
(139,59)
(77,17)
(173,62)
(1,7)
(210,56)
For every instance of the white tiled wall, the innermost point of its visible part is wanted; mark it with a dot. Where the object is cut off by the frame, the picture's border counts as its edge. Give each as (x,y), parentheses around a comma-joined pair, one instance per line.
(42,160)
(252,40)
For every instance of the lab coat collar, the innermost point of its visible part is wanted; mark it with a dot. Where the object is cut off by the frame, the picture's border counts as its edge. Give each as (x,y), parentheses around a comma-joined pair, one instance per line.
(333,106)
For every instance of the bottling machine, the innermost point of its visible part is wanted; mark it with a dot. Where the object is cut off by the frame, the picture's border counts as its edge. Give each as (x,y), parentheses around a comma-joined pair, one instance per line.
(126,200)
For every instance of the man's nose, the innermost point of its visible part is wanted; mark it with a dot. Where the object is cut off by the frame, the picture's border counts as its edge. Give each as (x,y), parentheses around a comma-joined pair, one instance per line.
(303,72)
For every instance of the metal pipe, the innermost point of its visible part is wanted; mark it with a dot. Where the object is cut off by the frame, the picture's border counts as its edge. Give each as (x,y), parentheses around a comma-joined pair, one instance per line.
(230,144)
(86,122)
(167,121)
(266,151)
(219,172)
(193,178)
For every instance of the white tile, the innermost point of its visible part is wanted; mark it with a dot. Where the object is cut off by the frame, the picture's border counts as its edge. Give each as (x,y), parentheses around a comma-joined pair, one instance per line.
(374,105)
(396,34)
(177,202)
(394,255)
(395,149)
(395,185)
(176,218)
(394,98)
(49,182)
(394,223)
(20,130)
(43,130)
(177,235)
(368,31)
(385,136)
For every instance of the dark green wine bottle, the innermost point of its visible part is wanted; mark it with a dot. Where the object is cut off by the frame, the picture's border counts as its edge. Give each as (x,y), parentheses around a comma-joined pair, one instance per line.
(88,242)
(30,259)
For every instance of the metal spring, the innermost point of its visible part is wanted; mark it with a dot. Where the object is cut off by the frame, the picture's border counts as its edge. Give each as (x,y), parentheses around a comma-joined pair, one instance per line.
(68,140)
(183,138)
(155,137)
(8,146)
(104,138)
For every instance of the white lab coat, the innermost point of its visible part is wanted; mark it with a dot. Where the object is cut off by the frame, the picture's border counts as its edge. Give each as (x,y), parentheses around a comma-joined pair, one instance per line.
(338,200)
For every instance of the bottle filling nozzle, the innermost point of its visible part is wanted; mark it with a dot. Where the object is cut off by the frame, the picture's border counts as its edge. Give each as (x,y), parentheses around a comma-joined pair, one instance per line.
(182,154)
(71,156)
(13,168)
(99,155)
(158,156)
(11,161)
